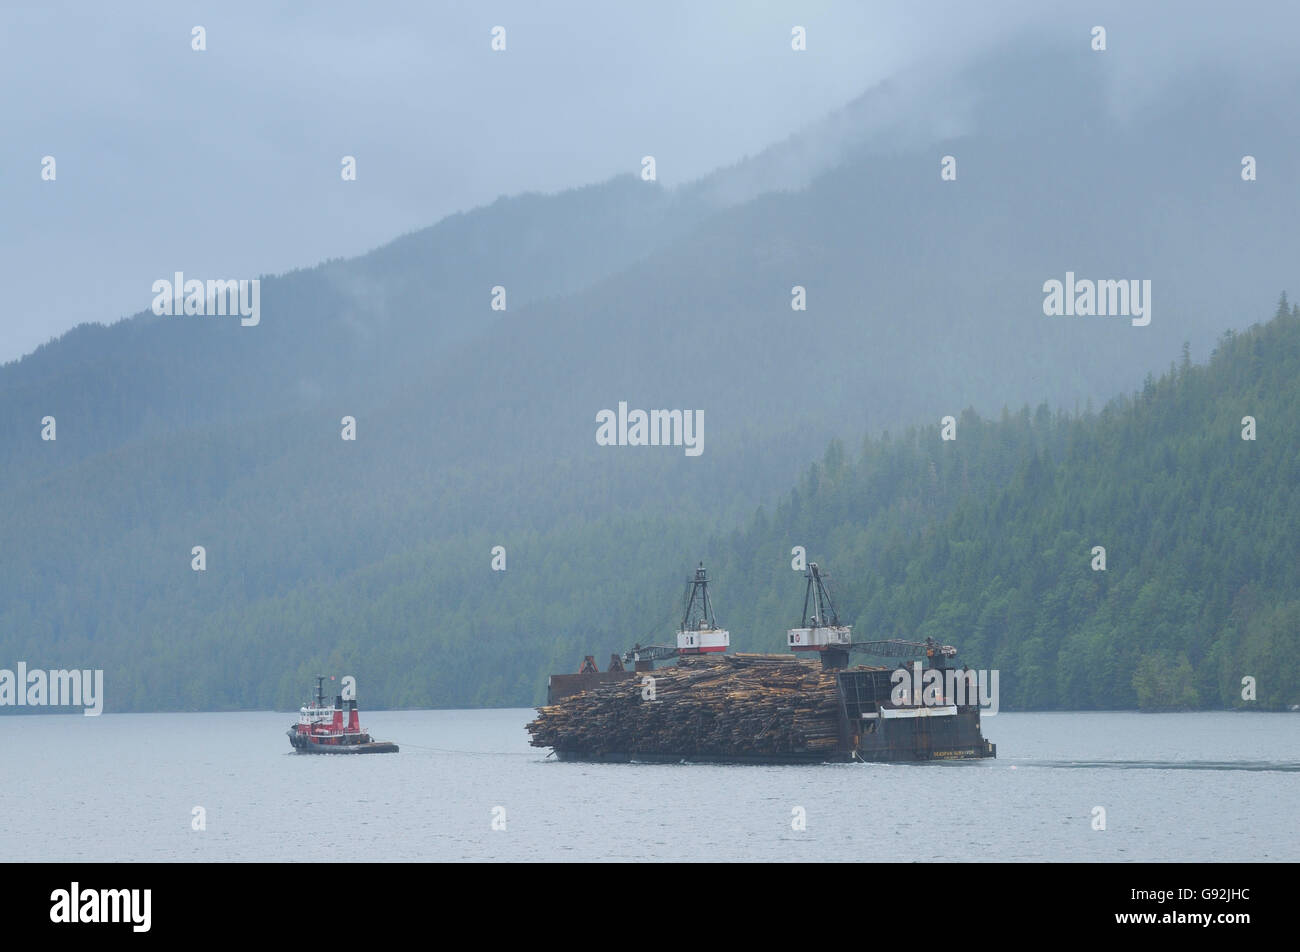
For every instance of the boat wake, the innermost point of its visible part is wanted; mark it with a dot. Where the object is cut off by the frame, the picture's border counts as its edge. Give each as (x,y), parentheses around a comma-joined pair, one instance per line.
(1285,766)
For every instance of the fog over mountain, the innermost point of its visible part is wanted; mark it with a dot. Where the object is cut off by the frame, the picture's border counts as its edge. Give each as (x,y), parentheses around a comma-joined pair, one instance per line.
(226,161)
(477,427)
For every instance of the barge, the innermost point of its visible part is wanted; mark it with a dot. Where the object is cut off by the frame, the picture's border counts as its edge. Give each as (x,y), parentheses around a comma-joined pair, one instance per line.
(809,706)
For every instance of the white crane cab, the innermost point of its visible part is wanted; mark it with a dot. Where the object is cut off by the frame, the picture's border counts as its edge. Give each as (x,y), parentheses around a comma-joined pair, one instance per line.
(699,632)
(821,629)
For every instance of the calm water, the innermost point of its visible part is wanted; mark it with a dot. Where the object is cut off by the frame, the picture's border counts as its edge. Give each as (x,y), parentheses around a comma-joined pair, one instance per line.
(1190,787)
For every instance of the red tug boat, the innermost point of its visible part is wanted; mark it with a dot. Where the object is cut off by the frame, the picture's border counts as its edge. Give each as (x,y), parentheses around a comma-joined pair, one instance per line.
(321,729)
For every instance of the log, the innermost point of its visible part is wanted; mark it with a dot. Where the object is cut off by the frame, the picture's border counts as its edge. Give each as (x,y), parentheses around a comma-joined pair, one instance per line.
(730,706)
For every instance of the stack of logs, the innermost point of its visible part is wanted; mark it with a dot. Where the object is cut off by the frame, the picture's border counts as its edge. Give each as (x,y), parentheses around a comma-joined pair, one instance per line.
(721,706)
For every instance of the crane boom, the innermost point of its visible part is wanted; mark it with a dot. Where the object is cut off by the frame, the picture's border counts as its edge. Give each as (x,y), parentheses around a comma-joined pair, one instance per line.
(896,648)
(649,653)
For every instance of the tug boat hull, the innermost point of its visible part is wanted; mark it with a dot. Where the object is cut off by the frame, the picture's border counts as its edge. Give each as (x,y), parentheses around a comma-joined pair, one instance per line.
(334,728)
(314,746)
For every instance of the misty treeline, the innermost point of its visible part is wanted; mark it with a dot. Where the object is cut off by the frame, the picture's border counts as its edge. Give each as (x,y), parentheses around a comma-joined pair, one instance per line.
(986,542)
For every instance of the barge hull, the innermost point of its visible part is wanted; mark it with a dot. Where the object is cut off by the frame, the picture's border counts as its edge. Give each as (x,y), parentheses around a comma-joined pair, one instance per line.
(835,757)
(912,740)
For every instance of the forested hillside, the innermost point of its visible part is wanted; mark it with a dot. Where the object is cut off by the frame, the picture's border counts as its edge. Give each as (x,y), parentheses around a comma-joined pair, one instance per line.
(475,427)
(987,541)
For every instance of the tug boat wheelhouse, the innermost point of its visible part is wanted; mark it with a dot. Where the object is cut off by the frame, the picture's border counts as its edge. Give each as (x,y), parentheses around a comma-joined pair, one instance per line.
(323,730)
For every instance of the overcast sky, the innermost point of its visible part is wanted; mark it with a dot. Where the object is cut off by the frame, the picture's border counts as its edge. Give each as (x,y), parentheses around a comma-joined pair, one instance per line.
(225,163)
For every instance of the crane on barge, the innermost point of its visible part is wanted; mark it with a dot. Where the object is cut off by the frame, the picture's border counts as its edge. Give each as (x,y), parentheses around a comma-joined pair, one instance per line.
(697,634)
(822,632)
